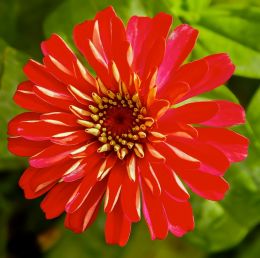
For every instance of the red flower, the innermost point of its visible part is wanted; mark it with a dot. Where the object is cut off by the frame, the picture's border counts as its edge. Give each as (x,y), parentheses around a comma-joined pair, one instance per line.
(118,134)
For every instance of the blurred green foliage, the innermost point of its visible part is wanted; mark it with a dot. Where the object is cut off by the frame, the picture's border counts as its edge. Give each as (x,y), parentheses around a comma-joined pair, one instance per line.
(229,228)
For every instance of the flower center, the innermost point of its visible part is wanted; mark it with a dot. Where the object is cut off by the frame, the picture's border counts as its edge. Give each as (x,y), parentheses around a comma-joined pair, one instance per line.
(119,122)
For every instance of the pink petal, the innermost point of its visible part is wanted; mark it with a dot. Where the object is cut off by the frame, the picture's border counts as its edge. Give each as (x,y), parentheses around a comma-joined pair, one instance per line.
(228,114)
(232,144)
(220,69)
(178,47)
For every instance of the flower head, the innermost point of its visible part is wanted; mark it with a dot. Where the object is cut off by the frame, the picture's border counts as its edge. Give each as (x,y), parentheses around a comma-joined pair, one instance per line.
(119,134)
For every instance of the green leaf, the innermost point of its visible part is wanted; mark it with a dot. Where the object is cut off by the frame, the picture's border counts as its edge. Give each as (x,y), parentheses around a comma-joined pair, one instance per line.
(251,248)
(215,230)
(253,115)
(231,27)
(20,23)
(233,30)
(11,62)
(92,244)
(72,12)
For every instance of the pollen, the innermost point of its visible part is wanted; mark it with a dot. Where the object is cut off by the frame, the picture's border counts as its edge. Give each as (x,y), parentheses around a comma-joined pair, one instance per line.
(118,121)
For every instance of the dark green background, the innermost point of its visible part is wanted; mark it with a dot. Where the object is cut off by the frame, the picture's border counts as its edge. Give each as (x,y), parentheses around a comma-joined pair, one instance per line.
(226,229)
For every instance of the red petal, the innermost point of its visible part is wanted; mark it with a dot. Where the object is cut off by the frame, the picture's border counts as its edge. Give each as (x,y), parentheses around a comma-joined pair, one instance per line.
(51,155)
(154,213)
(130,199)
(83,167)
(212,160)
(174,91)
(164,126)
(26,98)
(143,33)
(25,183)
(39,130)
(54,203)
(178,47)
(58,49)
(180,81)
(233,145)
(85,187)
(220,69)
(63,63)
(208,186)
(192,113)
(149,177)
(61,100)
(67,119)
(179,215)
(86,150)
(71,138)
(25,148)
(170,182)
(228,114)
(38,74)
(81,219)
(175,158)
(118,227)
(24,117)
(101,40)
(158,108)
(114,185)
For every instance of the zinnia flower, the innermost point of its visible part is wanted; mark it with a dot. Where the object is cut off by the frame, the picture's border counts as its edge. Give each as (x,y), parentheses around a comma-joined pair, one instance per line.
(122,134)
